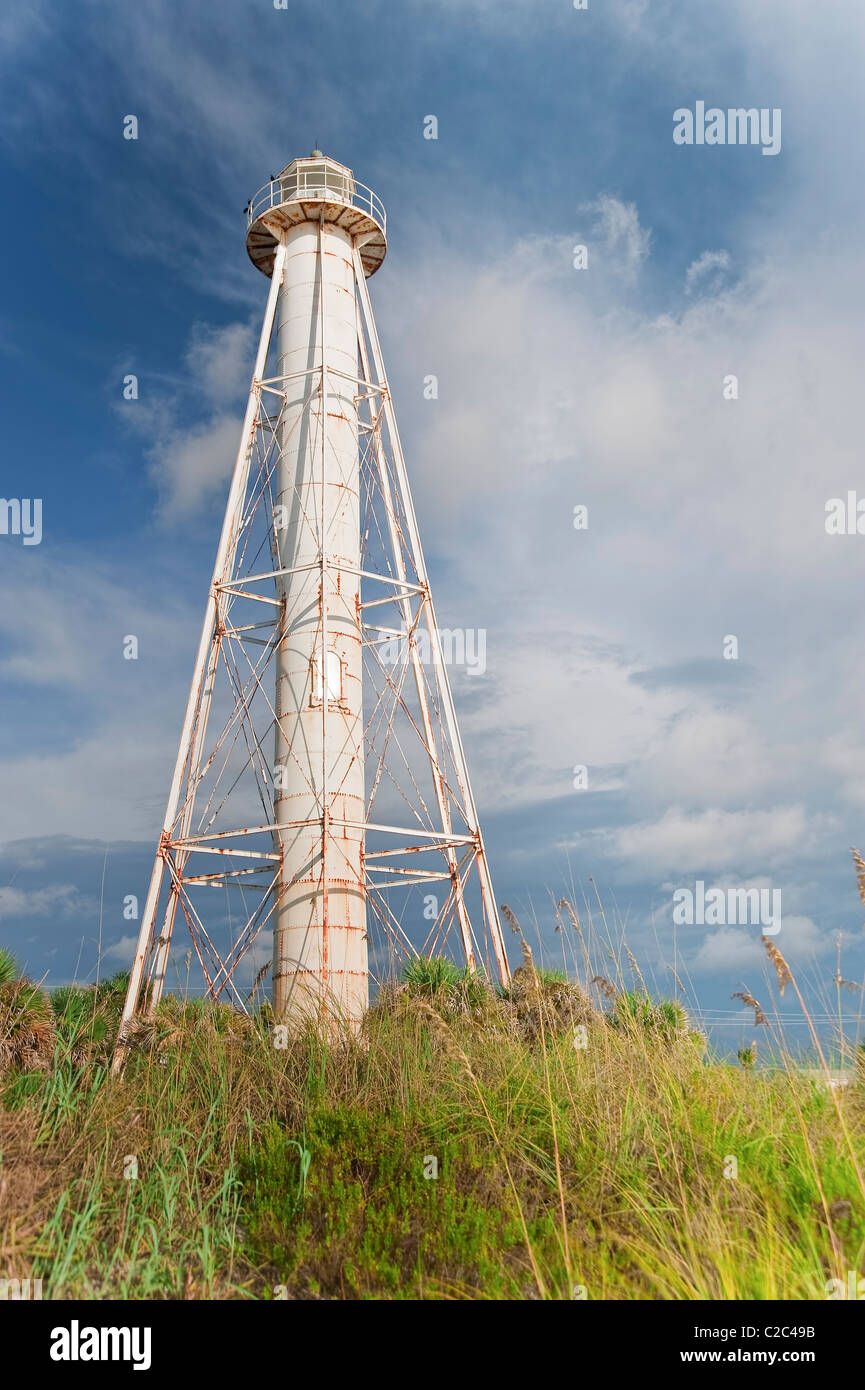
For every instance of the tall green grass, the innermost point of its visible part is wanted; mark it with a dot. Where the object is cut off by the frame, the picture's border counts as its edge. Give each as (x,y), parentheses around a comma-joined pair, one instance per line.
(469,1144)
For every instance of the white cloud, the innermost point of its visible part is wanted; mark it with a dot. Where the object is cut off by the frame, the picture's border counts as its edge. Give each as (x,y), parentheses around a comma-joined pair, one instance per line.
(191,425)
(100,772)
(707,274)
(738,951)
(729,950)
(220,360)
(548,703)
(844,757)
(122,950)
(714,839)
(191,468)
(705,519)
(705,754)
(60,900)
(625,243)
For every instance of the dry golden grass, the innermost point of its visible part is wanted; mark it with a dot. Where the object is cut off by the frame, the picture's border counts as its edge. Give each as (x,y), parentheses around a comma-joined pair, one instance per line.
(471,1144)
(559,1164)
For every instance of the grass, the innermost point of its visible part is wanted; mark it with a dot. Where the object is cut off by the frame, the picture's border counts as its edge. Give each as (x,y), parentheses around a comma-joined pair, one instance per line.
(470,1145)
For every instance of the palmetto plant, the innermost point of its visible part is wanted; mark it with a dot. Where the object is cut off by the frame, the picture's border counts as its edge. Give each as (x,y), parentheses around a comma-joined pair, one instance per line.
(26,1023)
(9,967)
(635,1009)
(436,978)
(79,1018)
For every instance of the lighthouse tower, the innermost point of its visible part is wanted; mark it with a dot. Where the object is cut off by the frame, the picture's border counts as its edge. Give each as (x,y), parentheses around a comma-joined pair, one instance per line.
(320,779)
(319,934)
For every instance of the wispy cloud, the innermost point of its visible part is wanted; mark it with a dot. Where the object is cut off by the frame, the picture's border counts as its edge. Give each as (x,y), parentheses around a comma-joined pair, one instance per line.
(58,900)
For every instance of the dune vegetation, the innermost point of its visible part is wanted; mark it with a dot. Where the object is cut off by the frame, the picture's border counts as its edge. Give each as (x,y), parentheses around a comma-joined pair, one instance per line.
(557,1140)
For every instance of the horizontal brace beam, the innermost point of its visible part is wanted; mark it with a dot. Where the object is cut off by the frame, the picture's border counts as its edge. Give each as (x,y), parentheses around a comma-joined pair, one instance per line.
(238,592)
(275,574)
(222,875)
(236,853)
(189,841)
(271,382)
(410,875)
(252,627)
(403,882)
(213,881)
(437,836)
(403,585)
(389,632)
(450,843)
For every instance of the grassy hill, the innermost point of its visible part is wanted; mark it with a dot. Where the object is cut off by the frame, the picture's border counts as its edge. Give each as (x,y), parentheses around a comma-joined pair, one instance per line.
(469,1145)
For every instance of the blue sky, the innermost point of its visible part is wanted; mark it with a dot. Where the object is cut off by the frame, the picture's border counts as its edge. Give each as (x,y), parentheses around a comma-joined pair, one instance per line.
(557,387)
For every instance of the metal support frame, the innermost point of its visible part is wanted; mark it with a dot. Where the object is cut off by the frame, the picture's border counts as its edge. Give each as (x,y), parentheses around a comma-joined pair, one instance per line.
(242,846)
(490,910)
(200,691)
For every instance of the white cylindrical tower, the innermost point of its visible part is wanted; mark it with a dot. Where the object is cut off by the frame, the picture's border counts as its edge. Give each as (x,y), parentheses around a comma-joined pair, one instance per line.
(319,940)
